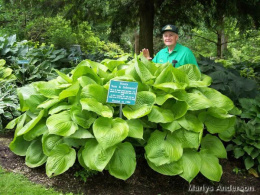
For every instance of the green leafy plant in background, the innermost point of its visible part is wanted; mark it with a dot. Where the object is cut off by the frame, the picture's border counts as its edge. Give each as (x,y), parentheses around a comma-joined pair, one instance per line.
(10,48)
(8,97)
(246,142)
(177,119)
(228,81)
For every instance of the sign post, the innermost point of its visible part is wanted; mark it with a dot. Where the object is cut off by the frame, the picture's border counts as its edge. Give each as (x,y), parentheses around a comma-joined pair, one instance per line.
(122,92)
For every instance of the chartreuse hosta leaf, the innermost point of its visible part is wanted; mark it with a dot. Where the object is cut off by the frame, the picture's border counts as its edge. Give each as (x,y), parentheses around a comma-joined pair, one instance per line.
(190,122)
(216,125)
(95,156)
(49,141)
(178,108)
(218,100)
(112,64)
(83,70)
(143,106)
(204,82)
(64,76)
(163,148)
(81,117)
(191,163)
(61,158)
(19,145)
(39,129)
(61,124)
(26,128)
(143,72)
(29,98)
(84,81)
(34,154)
(110,132)
(188,139)
(47,89)
(165,76)
(93,105)
(210,166)
(70,91)
(192,72)
(136,129)
(59,107)
(160,115)
(171,169)
(123,162)
(95,91)
(213,146)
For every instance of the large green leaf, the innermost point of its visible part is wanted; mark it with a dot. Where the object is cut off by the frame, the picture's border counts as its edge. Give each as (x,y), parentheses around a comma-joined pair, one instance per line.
(95,91)
(122,164)
(171,169)
(95,157)
(163,148)
(165,76)
(178,108)
(61,158)
(192,71)
(49,141)
(83,70)
(188,139)
(48,89)
(39,129)
(144,103)
(29,98)
(31,124)
(190,122)
(70,91)
(81,117)
(34,154)
(59,107)
(93,105)
(19,146)
(216,125)
(160,115)
(191,163)
(110,132)
(210,166)
(213,146)
(143,72)
(112,64)
(61,124)
(218,100)
(136,129)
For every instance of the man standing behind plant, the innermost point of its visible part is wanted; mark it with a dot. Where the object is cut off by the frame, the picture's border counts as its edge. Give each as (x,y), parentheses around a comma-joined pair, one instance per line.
(174,52)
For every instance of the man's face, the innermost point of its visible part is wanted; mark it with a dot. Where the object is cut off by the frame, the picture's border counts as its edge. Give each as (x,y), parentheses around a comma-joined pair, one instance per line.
(170,38)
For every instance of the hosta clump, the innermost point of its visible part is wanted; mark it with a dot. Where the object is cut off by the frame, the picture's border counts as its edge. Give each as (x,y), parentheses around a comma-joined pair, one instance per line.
(246,142)
(177,118)
(8,97)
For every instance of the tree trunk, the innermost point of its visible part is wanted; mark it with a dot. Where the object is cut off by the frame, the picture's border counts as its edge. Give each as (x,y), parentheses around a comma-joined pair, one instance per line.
(146,12)
(137,48)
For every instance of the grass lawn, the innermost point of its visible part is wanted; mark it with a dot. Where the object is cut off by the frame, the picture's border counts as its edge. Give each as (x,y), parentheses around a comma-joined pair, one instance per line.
(12,183)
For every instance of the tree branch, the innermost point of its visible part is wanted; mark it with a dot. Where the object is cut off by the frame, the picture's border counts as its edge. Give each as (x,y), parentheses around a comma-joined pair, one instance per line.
(205,38)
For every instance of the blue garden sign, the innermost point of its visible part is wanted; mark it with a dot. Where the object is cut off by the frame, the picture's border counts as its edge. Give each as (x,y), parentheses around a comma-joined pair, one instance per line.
(23,61)
(122,92)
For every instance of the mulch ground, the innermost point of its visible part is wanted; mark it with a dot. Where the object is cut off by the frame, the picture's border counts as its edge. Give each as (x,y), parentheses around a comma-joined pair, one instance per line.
(144,181)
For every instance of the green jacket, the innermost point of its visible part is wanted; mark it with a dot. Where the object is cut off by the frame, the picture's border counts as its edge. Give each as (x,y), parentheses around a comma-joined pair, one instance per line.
(183,55)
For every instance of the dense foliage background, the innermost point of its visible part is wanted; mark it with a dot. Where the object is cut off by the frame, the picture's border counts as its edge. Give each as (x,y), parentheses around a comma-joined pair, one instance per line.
(39,36)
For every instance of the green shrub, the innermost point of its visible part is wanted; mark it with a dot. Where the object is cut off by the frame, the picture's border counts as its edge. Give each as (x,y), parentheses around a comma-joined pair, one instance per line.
(228,80)
(177,119)
(246,142)
(8,97)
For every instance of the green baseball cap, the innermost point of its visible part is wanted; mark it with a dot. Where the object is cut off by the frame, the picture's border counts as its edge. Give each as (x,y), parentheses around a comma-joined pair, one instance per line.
(170,27)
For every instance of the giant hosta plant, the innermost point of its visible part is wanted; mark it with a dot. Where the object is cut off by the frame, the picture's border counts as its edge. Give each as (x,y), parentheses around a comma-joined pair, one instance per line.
(177,118)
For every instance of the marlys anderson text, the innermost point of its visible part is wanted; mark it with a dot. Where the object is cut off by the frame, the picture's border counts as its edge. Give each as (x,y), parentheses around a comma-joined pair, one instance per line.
(221,188)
